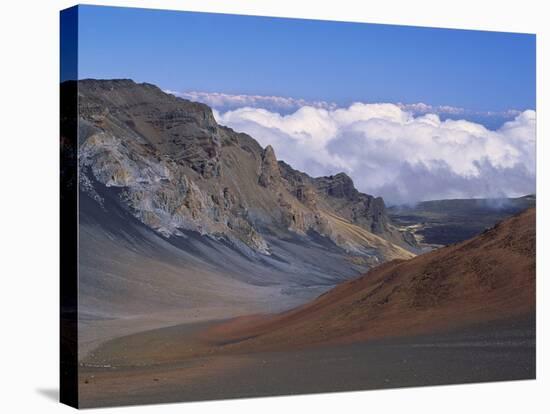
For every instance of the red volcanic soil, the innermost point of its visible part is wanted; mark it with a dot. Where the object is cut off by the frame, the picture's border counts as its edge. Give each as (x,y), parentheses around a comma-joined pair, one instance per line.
(488,278)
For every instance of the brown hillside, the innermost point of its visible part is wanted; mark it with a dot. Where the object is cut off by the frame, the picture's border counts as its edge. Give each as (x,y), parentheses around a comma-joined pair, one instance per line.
(490,277)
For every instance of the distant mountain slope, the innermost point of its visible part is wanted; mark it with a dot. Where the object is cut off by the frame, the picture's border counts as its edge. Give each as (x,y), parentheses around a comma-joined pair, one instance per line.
(442,222)
(488,278)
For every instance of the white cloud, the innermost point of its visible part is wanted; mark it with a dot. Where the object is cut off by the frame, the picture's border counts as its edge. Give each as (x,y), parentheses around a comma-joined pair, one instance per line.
(224,101)
(423,108)
(396,153)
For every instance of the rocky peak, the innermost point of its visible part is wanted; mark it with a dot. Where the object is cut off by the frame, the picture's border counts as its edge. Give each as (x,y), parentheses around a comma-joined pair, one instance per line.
(269,174)
(338,186)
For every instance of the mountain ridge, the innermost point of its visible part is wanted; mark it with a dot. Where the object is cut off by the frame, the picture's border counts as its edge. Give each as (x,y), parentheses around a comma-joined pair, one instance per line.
(185,220)
(180,169)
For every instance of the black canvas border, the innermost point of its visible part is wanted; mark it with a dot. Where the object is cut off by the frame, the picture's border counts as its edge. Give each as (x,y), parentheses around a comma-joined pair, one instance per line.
(68,128)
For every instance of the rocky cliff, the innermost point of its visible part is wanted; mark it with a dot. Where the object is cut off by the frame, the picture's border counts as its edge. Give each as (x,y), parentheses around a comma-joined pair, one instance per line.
(175,169)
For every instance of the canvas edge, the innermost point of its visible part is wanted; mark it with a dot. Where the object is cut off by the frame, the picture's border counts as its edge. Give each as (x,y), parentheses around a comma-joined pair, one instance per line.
(68,128)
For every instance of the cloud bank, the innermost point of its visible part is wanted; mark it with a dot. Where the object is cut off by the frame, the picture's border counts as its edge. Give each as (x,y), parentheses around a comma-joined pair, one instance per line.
(392,151)
(224,102)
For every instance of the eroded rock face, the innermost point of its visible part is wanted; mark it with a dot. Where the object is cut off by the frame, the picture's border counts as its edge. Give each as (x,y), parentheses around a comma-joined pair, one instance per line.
(269,173)
(337,186)
(183,130)
(306,195)
(175,169)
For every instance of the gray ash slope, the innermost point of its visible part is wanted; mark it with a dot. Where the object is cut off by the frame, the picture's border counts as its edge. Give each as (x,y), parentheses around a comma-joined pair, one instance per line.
(180,214)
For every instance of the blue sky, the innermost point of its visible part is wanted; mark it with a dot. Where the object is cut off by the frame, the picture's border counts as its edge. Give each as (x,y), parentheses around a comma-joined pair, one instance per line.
(314,60)
(456,117)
